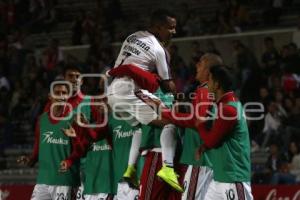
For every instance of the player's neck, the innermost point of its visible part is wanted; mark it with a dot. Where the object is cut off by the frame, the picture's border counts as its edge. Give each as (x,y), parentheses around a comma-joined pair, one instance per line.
(58,110)
(153,32)
(219,94)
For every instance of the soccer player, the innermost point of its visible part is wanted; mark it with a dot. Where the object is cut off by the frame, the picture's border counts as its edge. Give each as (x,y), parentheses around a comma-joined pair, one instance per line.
(199,173)
(96,143)
(53,146)
(103,174)
(151,186)
(226,140)
(71,73)
(145,49)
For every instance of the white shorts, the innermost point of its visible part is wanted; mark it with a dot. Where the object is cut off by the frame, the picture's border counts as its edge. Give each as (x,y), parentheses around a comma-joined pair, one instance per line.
(196,182)
(51,192)
(126,104)
(126,193)
(228,191)
(99,196)
(79,194)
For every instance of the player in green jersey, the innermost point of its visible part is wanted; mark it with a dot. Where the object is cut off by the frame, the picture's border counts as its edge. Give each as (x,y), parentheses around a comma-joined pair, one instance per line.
(226,140)
(53,146)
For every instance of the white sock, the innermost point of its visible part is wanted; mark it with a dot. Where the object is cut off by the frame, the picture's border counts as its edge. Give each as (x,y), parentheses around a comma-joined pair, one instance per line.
(168,144)
(135,146)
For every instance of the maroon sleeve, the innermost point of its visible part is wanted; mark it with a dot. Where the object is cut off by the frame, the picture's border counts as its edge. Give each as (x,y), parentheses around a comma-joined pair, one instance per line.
(222,126)
(146,80)
(35,153)
(80,145)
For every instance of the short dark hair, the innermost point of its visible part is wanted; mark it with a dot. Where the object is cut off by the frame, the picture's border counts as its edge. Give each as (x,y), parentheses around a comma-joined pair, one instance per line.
(222,74)
(159,16)
(71,67)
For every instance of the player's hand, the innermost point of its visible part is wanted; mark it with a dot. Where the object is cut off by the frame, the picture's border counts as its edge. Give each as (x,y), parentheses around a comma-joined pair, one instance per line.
(70,132)
(63,166)
(25,161)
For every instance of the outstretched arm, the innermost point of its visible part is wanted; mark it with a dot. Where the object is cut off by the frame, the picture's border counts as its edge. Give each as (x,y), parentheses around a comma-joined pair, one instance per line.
(33,158)
(222,126)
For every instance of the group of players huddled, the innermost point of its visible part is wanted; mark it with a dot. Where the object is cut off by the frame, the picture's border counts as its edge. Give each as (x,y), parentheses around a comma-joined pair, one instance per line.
(138,139)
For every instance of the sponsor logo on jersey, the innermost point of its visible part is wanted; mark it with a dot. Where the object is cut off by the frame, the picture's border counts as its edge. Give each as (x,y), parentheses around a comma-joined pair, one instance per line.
(48,138)
(133,40)
(122,134)
(103,147)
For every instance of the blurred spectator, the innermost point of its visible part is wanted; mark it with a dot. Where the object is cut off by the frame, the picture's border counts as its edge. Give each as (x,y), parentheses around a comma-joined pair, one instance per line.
(177,63)
(273,121)
(52,55)
(4,83)
(77,30)
(224,23)
(245,61)
(50,16)
(290,81)
(294,160)
(193,25)
(278,166)
(292,59)
(88,27)
(270,58)
(273,12)
(211,48)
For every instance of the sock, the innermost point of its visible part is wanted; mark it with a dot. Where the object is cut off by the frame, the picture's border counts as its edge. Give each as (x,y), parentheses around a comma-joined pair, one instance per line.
(168,144)
(135,146)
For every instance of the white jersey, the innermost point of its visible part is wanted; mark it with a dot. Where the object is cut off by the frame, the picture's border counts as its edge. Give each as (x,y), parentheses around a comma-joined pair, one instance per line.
(144,50)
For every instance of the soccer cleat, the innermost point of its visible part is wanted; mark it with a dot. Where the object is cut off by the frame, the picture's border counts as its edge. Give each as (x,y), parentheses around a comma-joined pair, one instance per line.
(130,175)
(168,175)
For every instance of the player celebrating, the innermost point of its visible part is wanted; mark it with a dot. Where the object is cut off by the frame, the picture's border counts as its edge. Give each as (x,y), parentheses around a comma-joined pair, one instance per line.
(226,141)
(145,50)
(53,146)
(199,173)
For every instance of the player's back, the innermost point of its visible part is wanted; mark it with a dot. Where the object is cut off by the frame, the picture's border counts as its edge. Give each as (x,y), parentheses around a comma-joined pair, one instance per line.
(140,49)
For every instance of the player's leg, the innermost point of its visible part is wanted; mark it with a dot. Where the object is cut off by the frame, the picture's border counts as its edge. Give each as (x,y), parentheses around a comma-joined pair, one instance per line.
(204,178)
(130,173)
(186,182)
(214,191)
(247,191)
(40,192)
(168,146)
(167,140)
(136,105)
(151,188)
(224,191)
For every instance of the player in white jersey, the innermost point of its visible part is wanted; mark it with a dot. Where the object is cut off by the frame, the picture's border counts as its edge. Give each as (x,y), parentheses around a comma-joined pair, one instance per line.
(145,50)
